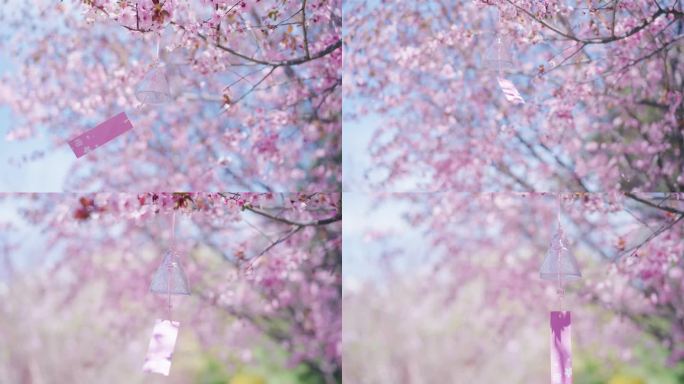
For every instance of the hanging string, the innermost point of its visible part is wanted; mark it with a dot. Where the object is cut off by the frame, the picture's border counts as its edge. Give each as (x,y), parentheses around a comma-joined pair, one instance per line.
(173,230)
(560,291)
(169,289)
(158,47)
(498,44)
(170,266)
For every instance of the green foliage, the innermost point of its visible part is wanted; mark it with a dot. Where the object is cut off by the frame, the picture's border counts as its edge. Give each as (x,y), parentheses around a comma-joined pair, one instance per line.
(647,367)
(213,372)
(269,370)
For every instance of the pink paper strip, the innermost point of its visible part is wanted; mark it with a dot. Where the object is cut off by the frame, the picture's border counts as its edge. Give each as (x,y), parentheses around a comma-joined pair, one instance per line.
(162,344)
(510,91)
(561,348)
(100,135)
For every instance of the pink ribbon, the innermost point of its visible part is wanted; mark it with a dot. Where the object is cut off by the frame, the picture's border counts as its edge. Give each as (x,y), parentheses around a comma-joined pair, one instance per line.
(561,348)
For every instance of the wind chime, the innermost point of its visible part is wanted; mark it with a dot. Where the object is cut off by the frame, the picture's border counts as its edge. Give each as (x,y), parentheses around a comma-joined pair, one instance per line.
(154,87)
(560,266)
(168,279)
(501,60)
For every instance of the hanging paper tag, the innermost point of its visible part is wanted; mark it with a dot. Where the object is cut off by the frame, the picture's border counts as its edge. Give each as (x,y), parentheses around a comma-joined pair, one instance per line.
(561,348)
(162,344)
(100,135)
(510,91)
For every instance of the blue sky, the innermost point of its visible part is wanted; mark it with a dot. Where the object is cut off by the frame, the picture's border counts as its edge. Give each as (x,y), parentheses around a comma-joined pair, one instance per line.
(28,237)
(46,174)
(366,214)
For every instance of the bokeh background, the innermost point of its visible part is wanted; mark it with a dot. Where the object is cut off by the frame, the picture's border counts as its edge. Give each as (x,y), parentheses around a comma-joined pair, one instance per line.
(254,88)
(446,288)
(75,272)
(424,111)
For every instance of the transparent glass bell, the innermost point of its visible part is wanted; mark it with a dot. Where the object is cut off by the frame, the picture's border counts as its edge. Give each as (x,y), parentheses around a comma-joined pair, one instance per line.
(169,278)
(154,87)
(559,263)
(497,56)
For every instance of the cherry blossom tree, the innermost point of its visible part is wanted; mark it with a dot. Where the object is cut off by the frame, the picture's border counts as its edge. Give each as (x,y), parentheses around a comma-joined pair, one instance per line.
(264,272)
(472,288)
(254,87)
(595,92)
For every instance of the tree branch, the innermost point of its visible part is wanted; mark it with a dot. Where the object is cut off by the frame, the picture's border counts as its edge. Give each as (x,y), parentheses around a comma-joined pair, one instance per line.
(291,62)
(254,86)
(306,40)
(320,222)
(286,236)
(653,205)
(601,40)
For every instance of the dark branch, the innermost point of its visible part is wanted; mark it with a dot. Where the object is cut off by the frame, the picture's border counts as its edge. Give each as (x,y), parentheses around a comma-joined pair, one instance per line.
(602,40)
(327,221)
(653,205)
(296,61)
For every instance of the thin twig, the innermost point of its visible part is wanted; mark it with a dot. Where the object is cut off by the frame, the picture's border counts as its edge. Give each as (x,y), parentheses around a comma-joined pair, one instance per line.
(306,40)
(326,221)
(653,205)
(291,62)
(601,40)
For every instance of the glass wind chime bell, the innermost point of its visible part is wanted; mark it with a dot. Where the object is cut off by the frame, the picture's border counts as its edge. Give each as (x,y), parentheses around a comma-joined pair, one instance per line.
(499,59)
(154,87)
(169,278)
(560,266)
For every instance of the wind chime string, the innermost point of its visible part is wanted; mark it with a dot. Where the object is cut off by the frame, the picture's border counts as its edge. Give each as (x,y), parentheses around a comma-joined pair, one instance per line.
(498,45)
(170,266)
(558,254)
(158,47)
(173,230)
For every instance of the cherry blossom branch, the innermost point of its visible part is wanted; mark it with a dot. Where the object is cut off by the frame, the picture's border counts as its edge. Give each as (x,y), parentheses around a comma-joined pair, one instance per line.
(557,159)
(320,222)
(566,59)
(506,170)
(296,61)
(301,60)
(662,229)
(314,223)
(653,205)
(306,40)
(218,29)
(250,90)
(601,40)
(653,53)
(291,62)
(204,140)
(281,239)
